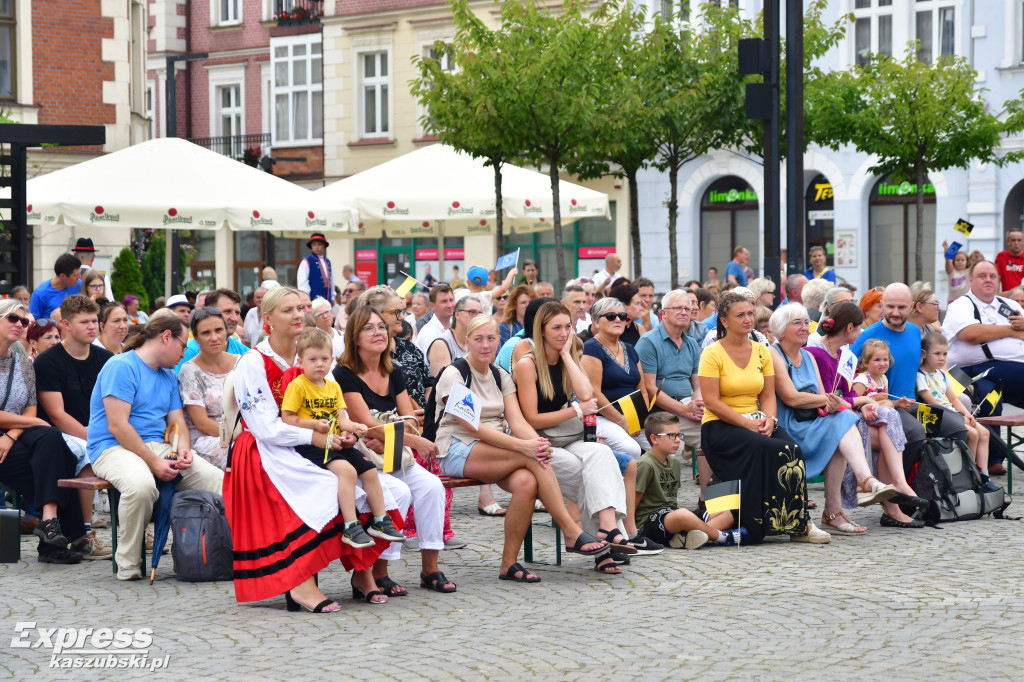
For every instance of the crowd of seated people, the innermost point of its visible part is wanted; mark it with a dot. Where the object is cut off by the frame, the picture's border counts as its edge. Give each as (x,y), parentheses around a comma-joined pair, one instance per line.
(749,387)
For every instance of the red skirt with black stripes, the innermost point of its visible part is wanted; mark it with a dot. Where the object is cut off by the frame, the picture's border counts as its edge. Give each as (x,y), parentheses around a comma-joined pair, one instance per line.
(273,549)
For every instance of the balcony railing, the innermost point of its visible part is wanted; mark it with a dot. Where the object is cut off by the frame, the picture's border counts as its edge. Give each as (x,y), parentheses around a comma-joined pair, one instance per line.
(288,12)
(245,148)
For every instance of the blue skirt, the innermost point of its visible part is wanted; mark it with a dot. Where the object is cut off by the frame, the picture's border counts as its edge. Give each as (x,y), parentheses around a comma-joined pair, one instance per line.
(818,438)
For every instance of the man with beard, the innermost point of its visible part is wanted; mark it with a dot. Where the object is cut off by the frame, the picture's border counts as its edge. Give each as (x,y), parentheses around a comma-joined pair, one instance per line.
(904,341)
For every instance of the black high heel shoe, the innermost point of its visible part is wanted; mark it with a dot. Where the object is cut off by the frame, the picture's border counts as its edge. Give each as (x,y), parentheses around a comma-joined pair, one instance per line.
(909,500)
(358,594)
(323,607)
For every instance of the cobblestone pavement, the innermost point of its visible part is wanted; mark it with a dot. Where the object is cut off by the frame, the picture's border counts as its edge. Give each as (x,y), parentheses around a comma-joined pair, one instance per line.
(904,604)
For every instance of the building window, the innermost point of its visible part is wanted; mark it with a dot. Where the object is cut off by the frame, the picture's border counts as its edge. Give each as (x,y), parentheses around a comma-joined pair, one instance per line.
(374,76)
(229,110)
(872,29)
(892,220)
(298,89)
(729,218)
(7,49)
(934,29)
(230,11)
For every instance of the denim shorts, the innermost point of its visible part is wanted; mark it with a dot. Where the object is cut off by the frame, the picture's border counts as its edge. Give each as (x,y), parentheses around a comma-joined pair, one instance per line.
(623,459)
(454,463)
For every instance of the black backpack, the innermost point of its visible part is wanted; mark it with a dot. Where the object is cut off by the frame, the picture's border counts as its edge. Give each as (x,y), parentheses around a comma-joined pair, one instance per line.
(949,479)
(431,418)
(202,537)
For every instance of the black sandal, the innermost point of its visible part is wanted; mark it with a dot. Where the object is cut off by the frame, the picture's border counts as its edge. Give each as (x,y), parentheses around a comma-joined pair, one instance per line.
(368,598)
(612,538)
(909,500)
(889,522)
(611,568)
(510,574)
(388,586)
(586,539)
(436,582)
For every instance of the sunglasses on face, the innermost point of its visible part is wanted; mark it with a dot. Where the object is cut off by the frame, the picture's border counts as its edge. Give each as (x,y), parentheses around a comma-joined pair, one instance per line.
(45,322)
(611,317)
(15,318)
(205,312)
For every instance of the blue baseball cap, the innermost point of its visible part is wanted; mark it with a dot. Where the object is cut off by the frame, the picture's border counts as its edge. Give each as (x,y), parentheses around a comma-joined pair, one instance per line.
(477,275)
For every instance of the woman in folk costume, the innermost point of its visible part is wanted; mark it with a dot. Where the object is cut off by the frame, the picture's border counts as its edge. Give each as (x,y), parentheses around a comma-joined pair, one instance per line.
(283,510)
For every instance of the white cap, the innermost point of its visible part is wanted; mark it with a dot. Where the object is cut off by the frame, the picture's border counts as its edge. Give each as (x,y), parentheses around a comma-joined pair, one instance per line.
(742,291)
(178,299)
(269,284)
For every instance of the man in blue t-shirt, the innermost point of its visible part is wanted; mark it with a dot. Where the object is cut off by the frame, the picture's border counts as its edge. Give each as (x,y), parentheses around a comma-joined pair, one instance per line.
(735,271)
(50,294)
(904,341)
(135,399)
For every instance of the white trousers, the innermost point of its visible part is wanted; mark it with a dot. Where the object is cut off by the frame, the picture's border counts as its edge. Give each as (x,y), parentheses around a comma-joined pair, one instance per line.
(588,474)
(415,485)
(617,439)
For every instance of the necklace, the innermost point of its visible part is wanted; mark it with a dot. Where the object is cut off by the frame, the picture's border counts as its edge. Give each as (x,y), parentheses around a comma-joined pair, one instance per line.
(613,353)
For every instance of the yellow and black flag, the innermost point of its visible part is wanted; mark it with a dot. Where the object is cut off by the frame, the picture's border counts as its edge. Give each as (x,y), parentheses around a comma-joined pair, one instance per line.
(402,284)
(722,497)
(963,227)
(394,441)
(995,395)
(931,418)
(959,380)
(634,409)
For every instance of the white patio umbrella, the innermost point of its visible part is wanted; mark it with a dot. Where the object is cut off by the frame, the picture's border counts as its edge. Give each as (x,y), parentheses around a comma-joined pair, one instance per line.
(172,183)
(438,190)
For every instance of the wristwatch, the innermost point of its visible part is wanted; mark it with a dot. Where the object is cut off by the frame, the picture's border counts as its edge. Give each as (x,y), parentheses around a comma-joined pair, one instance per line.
(776,420)
(579,410)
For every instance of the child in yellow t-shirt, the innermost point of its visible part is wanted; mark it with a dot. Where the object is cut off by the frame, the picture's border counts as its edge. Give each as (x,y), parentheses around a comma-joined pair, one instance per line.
(311,402)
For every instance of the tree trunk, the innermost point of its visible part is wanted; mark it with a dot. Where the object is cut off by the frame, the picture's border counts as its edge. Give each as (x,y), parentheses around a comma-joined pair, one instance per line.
(499,213)
(557,211)
(673,217)
(634,224)
(919,256)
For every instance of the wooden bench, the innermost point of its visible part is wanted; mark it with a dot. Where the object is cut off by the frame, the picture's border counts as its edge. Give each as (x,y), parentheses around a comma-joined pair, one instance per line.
(1012,441)
(453,482)
(97,483)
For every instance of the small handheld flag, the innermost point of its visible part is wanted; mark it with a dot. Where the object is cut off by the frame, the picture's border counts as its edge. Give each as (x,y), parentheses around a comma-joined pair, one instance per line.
(953,249)
(402,284)
(931,418)
(463,404)
(995,395)
(963,227)
(331,430)
(634,408)
(847,367)
(394,441)
(959,380)
(509,260)
(722,497)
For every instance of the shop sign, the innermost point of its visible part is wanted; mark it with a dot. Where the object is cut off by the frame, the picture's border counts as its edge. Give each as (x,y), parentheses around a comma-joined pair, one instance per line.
(366,254)
(454,254)
(732,196)
(594,251)
(426,254)
(823,192)
(902,189)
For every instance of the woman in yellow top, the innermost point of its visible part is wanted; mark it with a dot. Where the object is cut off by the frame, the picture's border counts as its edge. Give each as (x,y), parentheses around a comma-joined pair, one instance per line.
(740,434)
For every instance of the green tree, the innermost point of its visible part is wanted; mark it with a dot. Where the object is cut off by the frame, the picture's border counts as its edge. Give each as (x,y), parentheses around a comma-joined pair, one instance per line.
(540,80)
(126,278)
(695,95)
(916,118)
(154,262)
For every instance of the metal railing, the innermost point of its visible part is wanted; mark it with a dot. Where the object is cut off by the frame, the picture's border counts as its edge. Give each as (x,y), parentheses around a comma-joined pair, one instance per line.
(244,148)
(298,11)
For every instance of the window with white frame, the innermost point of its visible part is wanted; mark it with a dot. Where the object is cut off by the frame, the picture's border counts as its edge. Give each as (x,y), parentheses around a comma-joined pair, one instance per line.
(229,11)
(7,49)
(374,94)
(229,110)
(446,61)
(872,29)
(934,29)
(298,89)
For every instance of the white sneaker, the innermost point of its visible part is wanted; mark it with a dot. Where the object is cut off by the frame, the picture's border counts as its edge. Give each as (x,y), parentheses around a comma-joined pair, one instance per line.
(95,548)
(696,539)
(814,536)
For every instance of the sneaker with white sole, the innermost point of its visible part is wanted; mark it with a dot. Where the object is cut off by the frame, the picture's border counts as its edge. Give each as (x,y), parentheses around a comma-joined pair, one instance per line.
(645,546)
(92,547)
(814,536)
(695,539)
(455,542)
(385,530)
(355,536)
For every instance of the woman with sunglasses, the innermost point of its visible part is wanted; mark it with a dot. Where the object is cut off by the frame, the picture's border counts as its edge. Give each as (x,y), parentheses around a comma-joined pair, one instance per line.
(515,310)
(925,311)
(201,382)
(93,285)
(114,326)
(375,393)
(408,358)
(629,295)
(615,372)
(33,454)
(42,334)
(451,345)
